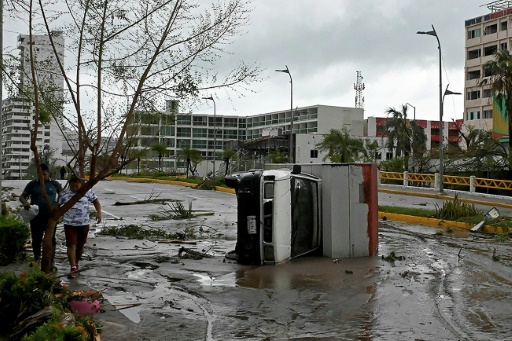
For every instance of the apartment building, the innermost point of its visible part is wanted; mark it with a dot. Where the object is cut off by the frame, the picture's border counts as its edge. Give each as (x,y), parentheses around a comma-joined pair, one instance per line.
(485,35)
(210,133)
(262,133)
(18,114)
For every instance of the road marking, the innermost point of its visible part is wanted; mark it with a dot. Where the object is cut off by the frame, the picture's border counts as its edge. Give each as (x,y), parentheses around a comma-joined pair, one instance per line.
(110,214)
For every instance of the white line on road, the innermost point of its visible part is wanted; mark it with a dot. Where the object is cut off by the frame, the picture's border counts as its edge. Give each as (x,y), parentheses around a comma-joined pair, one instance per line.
(110,214)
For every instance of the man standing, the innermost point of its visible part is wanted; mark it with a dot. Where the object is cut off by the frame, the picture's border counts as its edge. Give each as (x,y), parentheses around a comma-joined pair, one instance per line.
(40,222)
(62,172)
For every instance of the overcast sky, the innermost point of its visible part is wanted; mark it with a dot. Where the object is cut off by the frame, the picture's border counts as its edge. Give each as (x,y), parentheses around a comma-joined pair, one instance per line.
(324,43)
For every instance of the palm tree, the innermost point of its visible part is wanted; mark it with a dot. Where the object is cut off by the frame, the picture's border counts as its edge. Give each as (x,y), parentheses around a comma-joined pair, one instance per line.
(370,150)
(192,156)
(500,71)
(404,135)
(227,155)
(277,156)
(161,149)
(482,153)
(340,146)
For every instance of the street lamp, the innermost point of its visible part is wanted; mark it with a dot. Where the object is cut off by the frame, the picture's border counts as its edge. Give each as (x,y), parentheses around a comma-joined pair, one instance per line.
(433,33)
(414,108)
(291,111)
(214,130)
(412,150)
(441,127)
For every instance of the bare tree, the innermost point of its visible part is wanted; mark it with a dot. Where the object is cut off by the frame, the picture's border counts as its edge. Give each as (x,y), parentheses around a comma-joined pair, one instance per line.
(124,57)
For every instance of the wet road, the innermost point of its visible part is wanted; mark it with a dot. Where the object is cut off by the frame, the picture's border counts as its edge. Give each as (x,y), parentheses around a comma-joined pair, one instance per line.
(447,287)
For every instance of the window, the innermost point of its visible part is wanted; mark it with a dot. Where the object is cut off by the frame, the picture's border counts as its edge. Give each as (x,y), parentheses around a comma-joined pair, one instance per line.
(490,50)
(486,93)
(473,54)
(199,144)
(503,26)
(231,134)
(182,144)
(389,155)
(313,153)
(199,121)
(200,132)
(472,115)
(487,113)
(183,132)
(503,46)
(471,95)
(183,120)
(474,33)
(491,29)
(487,73)
(473,74)
(230,122)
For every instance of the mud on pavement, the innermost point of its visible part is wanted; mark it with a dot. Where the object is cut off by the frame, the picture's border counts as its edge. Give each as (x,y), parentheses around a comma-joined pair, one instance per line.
(446,287)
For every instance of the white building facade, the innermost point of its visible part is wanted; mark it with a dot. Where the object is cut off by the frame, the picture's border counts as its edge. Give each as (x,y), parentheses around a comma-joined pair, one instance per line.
(485,35)
(18,113)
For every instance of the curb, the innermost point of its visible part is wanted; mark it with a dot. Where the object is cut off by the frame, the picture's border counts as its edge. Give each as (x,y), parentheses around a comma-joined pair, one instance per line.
(446,197)
(440,223)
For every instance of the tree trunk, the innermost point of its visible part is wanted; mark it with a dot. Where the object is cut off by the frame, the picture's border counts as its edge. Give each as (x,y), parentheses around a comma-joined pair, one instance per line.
(46,259)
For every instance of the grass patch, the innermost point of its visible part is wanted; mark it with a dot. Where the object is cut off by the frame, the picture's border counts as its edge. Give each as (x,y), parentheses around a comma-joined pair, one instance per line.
(417,212)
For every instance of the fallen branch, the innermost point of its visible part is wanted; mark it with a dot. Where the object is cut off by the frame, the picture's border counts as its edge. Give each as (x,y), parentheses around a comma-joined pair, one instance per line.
(193,254)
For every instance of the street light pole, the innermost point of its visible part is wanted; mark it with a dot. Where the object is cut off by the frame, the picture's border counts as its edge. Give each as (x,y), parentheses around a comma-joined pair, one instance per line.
(214,130)
(291,112)
(441,166)
(412,139)
(414,108)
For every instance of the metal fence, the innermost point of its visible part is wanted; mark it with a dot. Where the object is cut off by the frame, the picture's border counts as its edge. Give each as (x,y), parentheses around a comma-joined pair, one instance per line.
(470,183)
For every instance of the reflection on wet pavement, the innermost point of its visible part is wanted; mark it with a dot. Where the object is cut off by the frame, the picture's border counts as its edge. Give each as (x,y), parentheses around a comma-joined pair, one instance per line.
(454,286)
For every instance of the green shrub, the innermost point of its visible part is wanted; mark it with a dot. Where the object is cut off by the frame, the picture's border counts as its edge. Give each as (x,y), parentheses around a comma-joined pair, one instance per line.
(55,331)
(13,235)
(24,295)
(456,209)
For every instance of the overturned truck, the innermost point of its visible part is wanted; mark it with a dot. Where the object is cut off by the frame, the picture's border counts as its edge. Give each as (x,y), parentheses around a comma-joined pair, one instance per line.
(331,210)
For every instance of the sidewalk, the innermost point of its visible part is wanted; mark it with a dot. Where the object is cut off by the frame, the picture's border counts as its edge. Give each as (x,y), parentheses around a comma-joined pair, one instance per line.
(470,197)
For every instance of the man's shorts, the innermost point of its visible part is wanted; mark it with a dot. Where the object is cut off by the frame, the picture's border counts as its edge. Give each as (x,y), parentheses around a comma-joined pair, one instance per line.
(76,235)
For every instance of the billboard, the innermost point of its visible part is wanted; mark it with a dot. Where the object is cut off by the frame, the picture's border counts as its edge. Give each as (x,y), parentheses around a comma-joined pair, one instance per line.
(499,118)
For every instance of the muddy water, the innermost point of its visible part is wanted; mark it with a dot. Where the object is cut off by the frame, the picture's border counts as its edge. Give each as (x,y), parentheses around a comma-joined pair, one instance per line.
(447,288)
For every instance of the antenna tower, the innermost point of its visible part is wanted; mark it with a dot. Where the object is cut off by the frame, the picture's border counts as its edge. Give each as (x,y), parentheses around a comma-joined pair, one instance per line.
(359,87)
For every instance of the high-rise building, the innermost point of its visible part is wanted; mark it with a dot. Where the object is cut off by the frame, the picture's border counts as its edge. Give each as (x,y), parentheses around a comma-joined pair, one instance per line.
(18,112)
(485,35)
